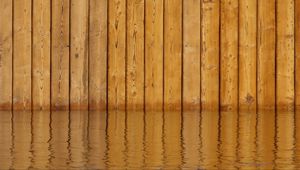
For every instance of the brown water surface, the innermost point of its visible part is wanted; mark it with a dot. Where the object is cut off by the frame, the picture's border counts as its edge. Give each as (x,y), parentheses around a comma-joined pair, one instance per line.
(151,140)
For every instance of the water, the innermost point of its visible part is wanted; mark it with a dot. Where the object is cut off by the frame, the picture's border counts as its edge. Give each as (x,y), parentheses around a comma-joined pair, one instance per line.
(152,140)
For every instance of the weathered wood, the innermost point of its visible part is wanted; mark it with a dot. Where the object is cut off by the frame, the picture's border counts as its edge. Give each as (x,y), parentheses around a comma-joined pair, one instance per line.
(210,54)
(97,54)
(191,55)
(229,55)
(22,55)
(41,55)
(79,55)
(297,50)
(135,55)
(154,55)
(6,54)
(60,48)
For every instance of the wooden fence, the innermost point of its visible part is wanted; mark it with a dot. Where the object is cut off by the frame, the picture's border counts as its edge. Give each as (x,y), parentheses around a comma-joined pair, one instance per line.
(152,54)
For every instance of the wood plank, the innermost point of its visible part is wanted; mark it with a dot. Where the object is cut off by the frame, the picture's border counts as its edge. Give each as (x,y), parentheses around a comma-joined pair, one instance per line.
(229,55)
(97,54)
(266,55)
(22,55)
(191,55)
(60,46)
(247,54)
(116,54)
(41,55)
(297,46)
(172,54)
(285,55)
(79,55)
(6,54)
(154,55)
(210,55)
(135,55)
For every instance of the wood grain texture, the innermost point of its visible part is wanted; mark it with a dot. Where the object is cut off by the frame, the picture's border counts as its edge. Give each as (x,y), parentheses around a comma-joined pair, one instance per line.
(297,50)
(135,55)
(285,55)
(60,47)
(116,54)
(191,55)
(6,54)
(266,55)
(210,54)
(41,55)
(154,55)
(79,55)
(97,54)
(247,54)
(229,55)
(172,54)
(22,55)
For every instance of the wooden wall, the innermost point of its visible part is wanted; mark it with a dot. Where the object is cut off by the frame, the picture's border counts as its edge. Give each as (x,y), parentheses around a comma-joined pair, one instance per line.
(152,54)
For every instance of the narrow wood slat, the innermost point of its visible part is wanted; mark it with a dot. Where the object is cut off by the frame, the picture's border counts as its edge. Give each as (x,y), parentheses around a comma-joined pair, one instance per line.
(135,55)
(297,50)
(97,54)
(41,55)
(60,46)
(154,55)
(285,96)
(172,54)
(22,55)
(229,55)
(116,54)
(266,55)
(191,55)
(79,55)
(247,54)
(210,55)
(6,54)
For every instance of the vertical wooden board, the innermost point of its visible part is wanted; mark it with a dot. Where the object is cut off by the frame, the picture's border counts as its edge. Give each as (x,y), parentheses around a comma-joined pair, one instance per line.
(266,55)
(60,46)
(210,55)
(6,139)
(297,50)
(172,54)
(97,54)
(116,54)
(41,55)
(79,55)
(229,55)
(22,55)
(191,55)
(247,54)
(154,55)
(6,54)
(285,55)
(135,55)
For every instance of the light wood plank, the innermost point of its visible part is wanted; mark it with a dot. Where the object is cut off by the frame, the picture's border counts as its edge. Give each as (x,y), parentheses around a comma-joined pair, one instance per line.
(22,55)
(191,55)
(172,54)
(6,54)
(79,55)
(116,54)
(60,47)
(285,55)
(41,55)
(247,54)
(97,54)
(135,55)
(266,55)
(154,55)
(210,55)
(229,55)
(297,50)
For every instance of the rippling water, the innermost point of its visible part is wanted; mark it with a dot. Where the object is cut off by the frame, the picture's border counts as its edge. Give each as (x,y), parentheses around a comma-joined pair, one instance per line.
(152,140)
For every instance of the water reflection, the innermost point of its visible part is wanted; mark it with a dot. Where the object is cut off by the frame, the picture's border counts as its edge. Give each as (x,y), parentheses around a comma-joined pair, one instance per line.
(151,140)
